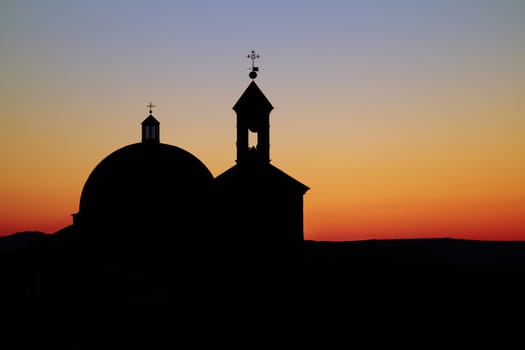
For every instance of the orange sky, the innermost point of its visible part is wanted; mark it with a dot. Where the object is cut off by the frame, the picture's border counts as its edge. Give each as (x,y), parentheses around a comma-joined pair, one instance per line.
(405,119)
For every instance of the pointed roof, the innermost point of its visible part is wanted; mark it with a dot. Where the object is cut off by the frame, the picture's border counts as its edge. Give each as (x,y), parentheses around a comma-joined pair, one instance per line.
(150,120)
(252,99)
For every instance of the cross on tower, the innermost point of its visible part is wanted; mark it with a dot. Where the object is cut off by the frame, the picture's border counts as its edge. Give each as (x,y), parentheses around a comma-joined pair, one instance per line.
(253,56)
(150,106)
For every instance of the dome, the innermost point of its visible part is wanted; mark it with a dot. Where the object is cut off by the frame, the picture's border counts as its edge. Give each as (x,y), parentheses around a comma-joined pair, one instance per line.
(145,182)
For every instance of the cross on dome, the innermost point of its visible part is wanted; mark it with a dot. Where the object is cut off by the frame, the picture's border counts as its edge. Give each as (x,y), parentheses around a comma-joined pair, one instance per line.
(150,106)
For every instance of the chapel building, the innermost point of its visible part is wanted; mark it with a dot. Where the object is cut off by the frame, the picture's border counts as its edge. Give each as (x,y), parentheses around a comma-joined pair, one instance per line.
(155,188)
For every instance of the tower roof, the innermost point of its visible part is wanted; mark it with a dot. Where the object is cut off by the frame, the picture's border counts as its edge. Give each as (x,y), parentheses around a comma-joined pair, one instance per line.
(150,120)
(252,99)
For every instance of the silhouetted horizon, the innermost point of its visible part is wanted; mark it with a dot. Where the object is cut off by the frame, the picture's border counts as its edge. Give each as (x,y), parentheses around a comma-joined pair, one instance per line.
(371,238)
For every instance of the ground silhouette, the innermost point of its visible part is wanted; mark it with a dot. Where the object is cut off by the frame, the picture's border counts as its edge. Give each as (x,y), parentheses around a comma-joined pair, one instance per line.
(69,287)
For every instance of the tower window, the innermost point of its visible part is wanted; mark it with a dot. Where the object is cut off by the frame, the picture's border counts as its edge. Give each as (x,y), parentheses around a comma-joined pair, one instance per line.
(252,140)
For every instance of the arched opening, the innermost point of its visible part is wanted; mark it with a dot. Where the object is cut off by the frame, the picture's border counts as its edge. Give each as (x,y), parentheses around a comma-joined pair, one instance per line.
(252,140)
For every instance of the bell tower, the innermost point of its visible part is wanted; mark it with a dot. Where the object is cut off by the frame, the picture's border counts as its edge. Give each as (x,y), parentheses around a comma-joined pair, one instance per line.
(253,119)
(257,202)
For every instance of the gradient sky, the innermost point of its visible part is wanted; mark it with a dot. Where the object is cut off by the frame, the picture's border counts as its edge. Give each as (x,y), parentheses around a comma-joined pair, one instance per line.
(405,118)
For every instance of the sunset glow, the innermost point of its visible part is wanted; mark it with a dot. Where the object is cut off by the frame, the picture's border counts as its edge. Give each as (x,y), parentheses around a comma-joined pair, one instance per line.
(405,118)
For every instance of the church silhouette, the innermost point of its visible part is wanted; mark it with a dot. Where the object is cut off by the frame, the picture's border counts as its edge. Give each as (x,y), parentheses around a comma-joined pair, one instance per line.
(156,188)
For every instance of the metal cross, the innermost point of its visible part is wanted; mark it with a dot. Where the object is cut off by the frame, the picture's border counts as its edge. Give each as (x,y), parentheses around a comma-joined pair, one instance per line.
(253,56)
(150,106)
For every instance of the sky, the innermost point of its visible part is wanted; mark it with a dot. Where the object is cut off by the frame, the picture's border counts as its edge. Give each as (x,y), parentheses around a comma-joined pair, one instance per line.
(406,118)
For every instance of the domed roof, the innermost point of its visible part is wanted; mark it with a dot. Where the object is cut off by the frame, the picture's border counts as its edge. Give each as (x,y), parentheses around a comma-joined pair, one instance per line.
(145,179)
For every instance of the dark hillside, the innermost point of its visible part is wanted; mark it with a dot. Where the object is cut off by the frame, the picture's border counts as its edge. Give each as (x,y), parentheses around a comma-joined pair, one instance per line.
(426,292)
